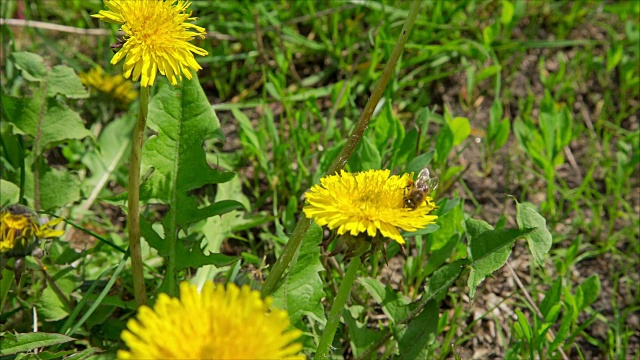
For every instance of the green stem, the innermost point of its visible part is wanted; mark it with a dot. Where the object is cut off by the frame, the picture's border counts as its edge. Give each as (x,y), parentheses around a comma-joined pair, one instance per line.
(363,122)
(285,258)
(338,304)
(133,217)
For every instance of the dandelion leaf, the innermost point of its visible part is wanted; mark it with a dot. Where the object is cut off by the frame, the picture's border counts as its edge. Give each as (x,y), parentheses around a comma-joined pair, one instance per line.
(64,81)
(301,291)
(9,193)
(32,65)
(488,250)
(361,336)
(187,256)
(540,239)
(183,120)
(414,340)
(59,123)
(394,304)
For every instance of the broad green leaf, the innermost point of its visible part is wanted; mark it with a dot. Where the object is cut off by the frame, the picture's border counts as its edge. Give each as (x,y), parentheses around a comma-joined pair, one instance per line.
(302,289)
(523,324)
(444,143)
(488,250)
(50,306)
(487,72)
(414,340)
(64,81)
(17,343)
(507,12)
(183,120)
(540,239)
(394,304)
(113,146)
(58,124)
(450,225)
(438,257)
(441,279)
(57,187)
(9,193)
(503,134)
(32,65)
(590,290)
(407,148)
(361,336)
(551,298)
(461,129)
(186,257)
(365,157)
(419,162)
(45,355)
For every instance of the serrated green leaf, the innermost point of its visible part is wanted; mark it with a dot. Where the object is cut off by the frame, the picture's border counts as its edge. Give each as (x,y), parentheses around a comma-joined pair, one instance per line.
(441,279)
(64,81)
(16,343)
(361,336)
(58,124)
(488,251)
(394,304)
(183,120)
(32,65)
(50,306)
(414,340)
(9,193)
(540,239)
(57,187)
(302,289)
(438,257)
(186,257)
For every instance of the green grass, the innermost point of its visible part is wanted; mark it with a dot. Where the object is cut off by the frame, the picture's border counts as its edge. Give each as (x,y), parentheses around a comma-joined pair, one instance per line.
(550,91)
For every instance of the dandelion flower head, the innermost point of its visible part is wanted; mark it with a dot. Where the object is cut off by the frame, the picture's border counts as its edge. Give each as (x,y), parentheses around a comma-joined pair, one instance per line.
(114,86)
(217,323)
(369,201)
(20,228)
(157,38)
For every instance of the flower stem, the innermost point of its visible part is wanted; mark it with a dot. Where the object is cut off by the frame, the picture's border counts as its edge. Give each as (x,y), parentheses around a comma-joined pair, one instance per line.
(303,224)
(133,217)
(338,304)
(285,258)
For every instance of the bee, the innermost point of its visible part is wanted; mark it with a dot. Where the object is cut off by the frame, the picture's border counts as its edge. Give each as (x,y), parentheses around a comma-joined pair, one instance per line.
(419,189)
(118,45)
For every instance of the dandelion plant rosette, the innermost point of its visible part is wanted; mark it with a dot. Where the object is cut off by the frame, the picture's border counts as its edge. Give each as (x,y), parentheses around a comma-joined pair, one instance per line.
(368,202)
(157,38)
(217,323)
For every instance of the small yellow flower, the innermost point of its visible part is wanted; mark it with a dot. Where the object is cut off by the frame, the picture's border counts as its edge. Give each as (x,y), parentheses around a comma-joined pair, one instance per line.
(115,86)
(369,201)
(157,37)
(218,323)
(20,228)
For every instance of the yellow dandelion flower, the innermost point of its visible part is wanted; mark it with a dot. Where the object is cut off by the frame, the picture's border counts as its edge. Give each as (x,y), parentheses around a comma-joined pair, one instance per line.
(157,37)
(369,201)
(115,86)
(217,323)
(20,228)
